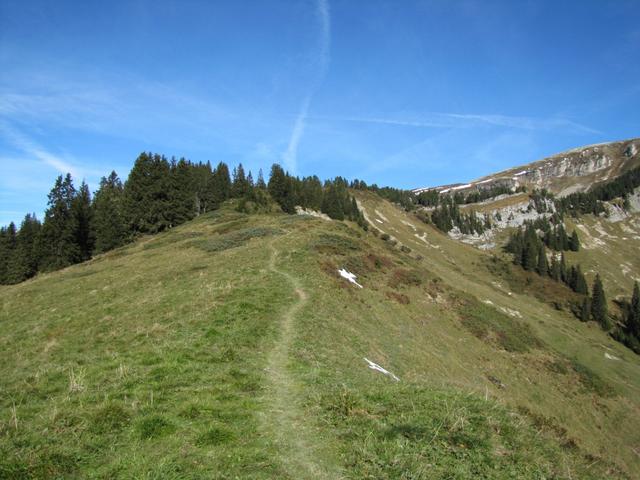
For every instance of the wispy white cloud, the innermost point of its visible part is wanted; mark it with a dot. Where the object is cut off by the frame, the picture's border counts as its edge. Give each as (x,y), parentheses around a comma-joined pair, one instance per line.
(290,156)
(34,150)
(457,120)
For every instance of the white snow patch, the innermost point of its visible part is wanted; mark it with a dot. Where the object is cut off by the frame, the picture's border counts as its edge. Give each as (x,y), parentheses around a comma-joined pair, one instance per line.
(381,216)
(375,366)
(488,302)
(423,237)
(511,312)
(520,173)
(460,187)
(379,221)
(610,357)
(349,276)
(409,224)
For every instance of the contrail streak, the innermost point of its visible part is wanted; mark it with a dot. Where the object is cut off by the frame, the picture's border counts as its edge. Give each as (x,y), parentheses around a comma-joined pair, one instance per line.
(290,155)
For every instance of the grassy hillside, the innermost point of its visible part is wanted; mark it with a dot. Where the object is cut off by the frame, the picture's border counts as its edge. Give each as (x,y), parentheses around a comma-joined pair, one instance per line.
(231,348)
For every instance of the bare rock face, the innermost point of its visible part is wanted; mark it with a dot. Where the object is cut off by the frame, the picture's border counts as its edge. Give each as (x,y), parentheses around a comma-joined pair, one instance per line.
(567,172)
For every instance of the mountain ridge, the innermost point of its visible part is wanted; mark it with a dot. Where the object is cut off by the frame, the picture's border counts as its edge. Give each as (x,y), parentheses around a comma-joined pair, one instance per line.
(592,163)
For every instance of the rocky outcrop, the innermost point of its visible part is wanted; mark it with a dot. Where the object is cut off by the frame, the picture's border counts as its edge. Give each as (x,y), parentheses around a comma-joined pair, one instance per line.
(567,172)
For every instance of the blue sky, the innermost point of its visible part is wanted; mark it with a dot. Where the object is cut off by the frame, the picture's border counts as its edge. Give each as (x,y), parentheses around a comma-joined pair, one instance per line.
(403,93)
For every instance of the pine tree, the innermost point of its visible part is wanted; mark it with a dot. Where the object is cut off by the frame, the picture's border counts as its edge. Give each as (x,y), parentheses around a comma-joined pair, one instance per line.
(260,182)
(182,196)
(599,304)
(220,184)
(7,250)
(26,257)
(281,189)
(633,316)
(109,223)
(563,269)
(331,203)
(240,186)
(530,251)
(543,266)
(574,242)
(580,282)
(585,311)
(554,271)
(82,213)
(147,200)
(59,230)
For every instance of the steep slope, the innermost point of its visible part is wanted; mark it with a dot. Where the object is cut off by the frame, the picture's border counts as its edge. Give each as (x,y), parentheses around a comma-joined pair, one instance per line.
(231,347)
(575,170)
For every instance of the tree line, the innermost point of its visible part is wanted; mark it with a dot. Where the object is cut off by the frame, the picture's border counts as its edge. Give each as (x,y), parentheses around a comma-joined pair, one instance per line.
(157,195)
(592,201)
(529,252)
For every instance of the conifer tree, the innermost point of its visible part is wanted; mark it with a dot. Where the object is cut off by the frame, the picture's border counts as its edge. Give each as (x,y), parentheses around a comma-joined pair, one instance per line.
(585,310)
(260,182)
(332,203)
(543,266)
(563,269)
(26,257)
(574,242)
(278,187)
(554,271)
(109,223)
(530,251)
(599,304)
(82,213)
(580,282)
(59,230)
(633,316)
(240,185)
(7,251)
(147,206)
(220,184)
(182,197)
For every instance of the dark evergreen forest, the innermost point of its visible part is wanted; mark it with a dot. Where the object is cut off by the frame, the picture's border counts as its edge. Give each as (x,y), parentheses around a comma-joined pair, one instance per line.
(157,195)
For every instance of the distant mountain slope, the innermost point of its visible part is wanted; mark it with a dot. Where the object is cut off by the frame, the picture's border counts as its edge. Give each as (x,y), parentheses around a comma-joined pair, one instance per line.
(232,347)
(564,173)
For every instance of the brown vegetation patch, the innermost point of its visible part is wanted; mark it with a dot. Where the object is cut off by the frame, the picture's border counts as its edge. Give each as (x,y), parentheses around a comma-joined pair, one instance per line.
(398,297)
(405,277)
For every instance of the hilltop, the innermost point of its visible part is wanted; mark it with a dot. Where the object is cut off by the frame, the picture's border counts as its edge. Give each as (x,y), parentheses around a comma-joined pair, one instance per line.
(235,346)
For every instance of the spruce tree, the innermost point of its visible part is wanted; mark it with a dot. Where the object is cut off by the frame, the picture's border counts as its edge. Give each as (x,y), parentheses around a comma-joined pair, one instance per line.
(277,184)
(580,282)
(585,310)
(331,203)
(7,251)
(220,184)
(530,251)
(260,182)
(182,196)
(599,303)
(554,271)
(543,266)
(240,185)
(82,213)
(563,269)
(109,223)
(147,195)
(574,242)
(59,230)
(26,258)
(633,316)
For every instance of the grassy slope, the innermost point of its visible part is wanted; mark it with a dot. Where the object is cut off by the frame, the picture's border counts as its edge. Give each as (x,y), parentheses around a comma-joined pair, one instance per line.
(230,348)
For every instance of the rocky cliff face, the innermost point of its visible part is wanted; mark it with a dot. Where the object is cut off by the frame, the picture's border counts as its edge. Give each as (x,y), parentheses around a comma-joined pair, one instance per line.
(567,172)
